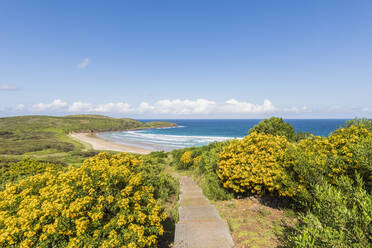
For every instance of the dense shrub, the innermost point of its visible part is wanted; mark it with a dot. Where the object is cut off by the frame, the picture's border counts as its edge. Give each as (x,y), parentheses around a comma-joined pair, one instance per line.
(338,217)
(153,174)
(186,159)
(277,126)
(176,156)
(257,164)
(335,173)
(274,126)
(359,132)
(103,203)
(205,170)
(319,159)
(364,123)
(19,147)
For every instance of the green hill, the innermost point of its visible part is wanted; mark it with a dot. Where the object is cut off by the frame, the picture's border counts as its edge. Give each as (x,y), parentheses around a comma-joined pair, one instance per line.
(45,135)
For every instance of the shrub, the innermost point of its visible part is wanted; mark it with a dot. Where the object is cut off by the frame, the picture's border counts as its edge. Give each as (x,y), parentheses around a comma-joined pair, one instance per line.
(338,217)
(274,126)
(343,142)
(186,159)
(364,123)
(153,174)
(257,164)
(206,173)
(277,126)
(335,173)
(176,158)
(103,203)
(319,159)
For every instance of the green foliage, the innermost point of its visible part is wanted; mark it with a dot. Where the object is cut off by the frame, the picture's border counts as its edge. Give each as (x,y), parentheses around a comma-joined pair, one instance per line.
(184,163)
(339,216)
(319,160)
(158,124)
(206,168)
(274,126)
(363,123)
(363,157)
(153,174)
(277,126)
(335,176)
(19,142)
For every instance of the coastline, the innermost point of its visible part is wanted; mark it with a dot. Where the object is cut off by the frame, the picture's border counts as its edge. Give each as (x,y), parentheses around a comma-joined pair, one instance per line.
(99,143)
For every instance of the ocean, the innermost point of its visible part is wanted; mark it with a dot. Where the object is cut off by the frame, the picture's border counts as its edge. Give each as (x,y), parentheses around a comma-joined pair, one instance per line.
(194,132)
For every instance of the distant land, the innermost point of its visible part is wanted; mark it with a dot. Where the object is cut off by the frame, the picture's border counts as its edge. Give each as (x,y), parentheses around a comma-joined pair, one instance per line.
(47,137)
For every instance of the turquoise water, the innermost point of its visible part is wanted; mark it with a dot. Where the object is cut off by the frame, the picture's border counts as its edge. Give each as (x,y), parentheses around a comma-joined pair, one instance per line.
(202,132)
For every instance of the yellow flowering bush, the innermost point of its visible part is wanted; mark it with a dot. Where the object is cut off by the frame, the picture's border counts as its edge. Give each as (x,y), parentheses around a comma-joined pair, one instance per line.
(332,157)
(320,159)
(186,159)
(256,164)
(343,141)
(103,203)
(15,171)
(335,174)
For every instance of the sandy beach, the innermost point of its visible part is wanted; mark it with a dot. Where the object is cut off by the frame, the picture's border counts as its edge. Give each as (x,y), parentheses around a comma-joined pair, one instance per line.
(98,143)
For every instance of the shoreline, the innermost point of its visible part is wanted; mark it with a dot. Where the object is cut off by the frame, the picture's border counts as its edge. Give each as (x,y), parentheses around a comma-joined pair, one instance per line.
(98,143)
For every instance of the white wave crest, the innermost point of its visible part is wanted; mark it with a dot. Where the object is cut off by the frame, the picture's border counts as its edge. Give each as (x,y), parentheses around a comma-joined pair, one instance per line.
(162,140)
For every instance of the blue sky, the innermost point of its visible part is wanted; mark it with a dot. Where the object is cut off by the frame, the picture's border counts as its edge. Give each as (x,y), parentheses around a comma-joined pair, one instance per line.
(187,59)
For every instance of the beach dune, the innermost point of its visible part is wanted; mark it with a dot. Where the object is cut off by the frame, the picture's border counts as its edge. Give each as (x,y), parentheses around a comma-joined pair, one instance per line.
(98,143)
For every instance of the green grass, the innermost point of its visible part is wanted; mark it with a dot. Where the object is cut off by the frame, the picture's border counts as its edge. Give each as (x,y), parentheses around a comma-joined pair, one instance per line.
(46,137)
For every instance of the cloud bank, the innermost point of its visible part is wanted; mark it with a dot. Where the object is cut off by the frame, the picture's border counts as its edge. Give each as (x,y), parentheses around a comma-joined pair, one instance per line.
(183,107)
(234,106)
(55,105)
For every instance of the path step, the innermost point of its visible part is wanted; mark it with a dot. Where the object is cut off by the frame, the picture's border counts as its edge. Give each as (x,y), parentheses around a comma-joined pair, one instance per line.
(200,225)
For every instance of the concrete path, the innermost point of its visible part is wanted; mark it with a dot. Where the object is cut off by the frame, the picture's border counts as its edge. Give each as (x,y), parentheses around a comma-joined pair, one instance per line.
(199,225)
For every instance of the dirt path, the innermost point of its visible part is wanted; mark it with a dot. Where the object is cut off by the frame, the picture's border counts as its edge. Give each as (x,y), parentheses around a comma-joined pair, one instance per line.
(199,225)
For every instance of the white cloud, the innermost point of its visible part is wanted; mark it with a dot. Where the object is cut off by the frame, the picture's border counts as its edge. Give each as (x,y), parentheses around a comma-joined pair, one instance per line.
(55,105)
(119,107)
(83,64)
(6,87)
(20,107)
(199,106)
(234,106)
(166,106)
(79,107)
(144,107)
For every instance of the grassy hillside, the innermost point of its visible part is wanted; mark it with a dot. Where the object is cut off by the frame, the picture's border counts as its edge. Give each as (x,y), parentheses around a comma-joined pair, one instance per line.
(46,136)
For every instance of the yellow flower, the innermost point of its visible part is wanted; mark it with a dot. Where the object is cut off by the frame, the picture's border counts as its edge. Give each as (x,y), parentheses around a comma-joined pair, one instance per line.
(72,202)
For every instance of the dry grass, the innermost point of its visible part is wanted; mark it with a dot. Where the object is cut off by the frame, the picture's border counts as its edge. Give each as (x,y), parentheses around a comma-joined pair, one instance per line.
(253,224)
